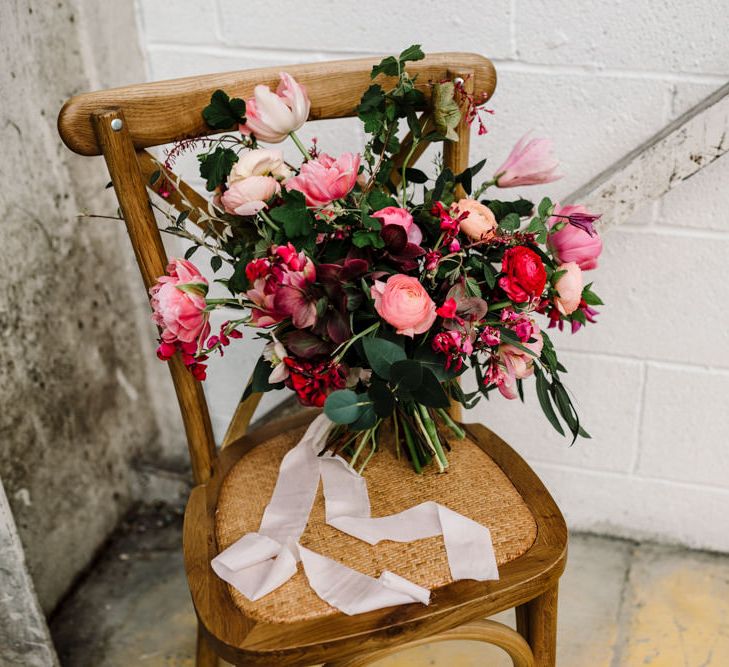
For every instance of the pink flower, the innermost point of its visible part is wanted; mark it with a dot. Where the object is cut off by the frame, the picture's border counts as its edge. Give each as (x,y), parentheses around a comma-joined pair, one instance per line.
(572,243)
(280,288)
(479,223)
(248,196)
(178,304)
(392,215)
(403,302)
(260,162)
(568,288)
(529,163)
(325,179)
(517,364)
(271,116)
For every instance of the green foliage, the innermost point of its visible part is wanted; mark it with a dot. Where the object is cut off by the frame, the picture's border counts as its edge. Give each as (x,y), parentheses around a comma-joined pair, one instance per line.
(215,166)
(381,354)
(297,220)
(223,112)
(342,406)
(510,222)
(501,209)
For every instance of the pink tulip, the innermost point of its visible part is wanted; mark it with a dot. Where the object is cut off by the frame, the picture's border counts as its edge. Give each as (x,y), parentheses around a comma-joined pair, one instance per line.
(529,163)
(178,304)
(272,116)
(392,215)
(325,179)
(404,303)
(568,288)
(571,243)
(519,363)
(249,195)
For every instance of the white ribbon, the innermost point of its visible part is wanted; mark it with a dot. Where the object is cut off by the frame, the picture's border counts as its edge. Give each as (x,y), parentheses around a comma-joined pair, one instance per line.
(258,563)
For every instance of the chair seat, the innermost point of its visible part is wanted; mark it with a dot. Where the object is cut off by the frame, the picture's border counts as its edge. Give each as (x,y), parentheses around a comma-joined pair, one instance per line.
(486,481)
(473,486)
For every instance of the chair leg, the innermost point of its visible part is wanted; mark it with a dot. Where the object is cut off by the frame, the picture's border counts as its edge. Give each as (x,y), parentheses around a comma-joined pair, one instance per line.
(205,656)
(536,621)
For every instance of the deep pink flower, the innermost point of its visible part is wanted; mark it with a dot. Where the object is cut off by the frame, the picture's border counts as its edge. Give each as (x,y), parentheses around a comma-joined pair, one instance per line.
(325,179)
(272,116)
(572,243)
(392,215)
(448,309)
(529,163)
(178,303)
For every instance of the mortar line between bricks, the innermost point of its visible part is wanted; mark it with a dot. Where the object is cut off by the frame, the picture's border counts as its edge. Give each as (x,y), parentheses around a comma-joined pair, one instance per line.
(597,472)
(660,363)
(635,454)
(513,43)
(507,64)
(676,231)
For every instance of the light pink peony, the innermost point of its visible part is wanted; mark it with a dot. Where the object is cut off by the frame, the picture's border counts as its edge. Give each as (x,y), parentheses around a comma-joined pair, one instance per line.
(479,224)
(529,163)
(249,195)
(573,244)
(325,179)
(178,303)
(392,215)
(403,302)
(272,116)
(569,288)
(260,162)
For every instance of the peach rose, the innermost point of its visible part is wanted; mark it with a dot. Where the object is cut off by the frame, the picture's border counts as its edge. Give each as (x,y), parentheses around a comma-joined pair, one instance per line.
(480,223)
(569,288)
(403,302)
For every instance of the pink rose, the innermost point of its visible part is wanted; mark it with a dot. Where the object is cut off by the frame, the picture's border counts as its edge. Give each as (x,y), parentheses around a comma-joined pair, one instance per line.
(325,179)
(479,224)
(178,303)
(392,215)
(568,288)
(529,163)
(271,116)
(248,196)
(571,243)
(403,302)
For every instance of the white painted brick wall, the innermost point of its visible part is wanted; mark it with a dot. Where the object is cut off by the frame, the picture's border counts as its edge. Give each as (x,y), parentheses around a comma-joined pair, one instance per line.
(652,379)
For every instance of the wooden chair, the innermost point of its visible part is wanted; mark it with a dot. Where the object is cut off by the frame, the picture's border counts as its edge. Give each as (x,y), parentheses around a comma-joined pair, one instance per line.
(488,481)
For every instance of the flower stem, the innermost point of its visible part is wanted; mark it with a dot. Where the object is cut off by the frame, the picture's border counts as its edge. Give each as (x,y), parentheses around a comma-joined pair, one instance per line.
(433,437)
(410,442)
(300,146)
(360,447)
(457,430)
(483,187)
(268,221)
(342,349)
(499,305)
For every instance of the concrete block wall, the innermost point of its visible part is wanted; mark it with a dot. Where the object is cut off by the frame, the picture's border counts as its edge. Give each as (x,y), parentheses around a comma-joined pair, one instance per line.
(652,378)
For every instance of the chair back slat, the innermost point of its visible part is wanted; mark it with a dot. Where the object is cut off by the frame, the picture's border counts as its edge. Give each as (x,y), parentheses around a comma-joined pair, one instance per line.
(158,113)
(166,111)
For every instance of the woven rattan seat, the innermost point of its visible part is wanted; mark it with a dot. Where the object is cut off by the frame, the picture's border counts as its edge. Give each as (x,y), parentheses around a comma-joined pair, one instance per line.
(474,486)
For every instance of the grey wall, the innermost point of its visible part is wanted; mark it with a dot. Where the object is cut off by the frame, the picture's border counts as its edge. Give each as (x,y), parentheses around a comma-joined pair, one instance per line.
(73,386)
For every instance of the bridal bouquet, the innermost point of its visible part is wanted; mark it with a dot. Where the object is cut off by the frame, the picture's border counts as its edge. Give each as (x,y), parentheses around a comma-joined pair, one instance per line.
(376,286)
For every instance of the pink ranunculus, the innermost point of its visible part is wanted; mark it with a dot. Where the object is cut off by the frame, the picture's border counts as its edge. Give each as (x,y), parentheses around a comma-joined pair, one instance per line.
(529,163)
(325,179)
(273,116)
(393,215)
(569,288)
(248,196)
(178,303)
(403,302)
(260,162)
(479,224)
(571,243)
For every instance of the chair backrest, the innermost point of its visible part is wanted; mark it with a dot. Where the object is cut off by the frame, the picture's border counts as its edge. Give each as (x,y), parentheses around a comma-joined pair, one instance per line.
(121,123)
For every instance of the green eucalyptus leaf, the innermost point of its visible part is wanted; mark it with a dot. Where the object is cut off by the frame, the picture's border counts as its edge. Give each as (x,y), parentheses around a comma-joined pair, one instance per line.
(342,406)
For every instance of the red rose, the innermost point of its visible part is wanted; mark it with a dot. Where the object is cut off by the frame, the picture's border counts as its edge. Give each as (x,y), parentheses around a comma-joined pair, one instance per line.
(524,275)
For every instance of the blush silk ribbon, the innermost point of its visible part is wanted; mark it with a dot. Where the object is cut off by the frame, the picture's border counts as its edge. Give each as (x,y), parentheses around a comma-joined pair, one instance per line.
(260,562)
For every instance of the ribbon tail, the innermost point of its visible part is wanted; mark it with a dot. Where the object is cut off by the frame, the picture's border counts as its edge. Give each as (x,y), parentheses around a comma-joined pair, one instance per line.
(353,592)
(468,546)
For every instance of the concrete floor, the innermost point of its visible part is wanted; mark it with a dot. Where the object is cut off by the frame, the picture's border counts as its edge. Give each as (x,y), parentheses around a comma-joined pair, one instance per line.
(621,604)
